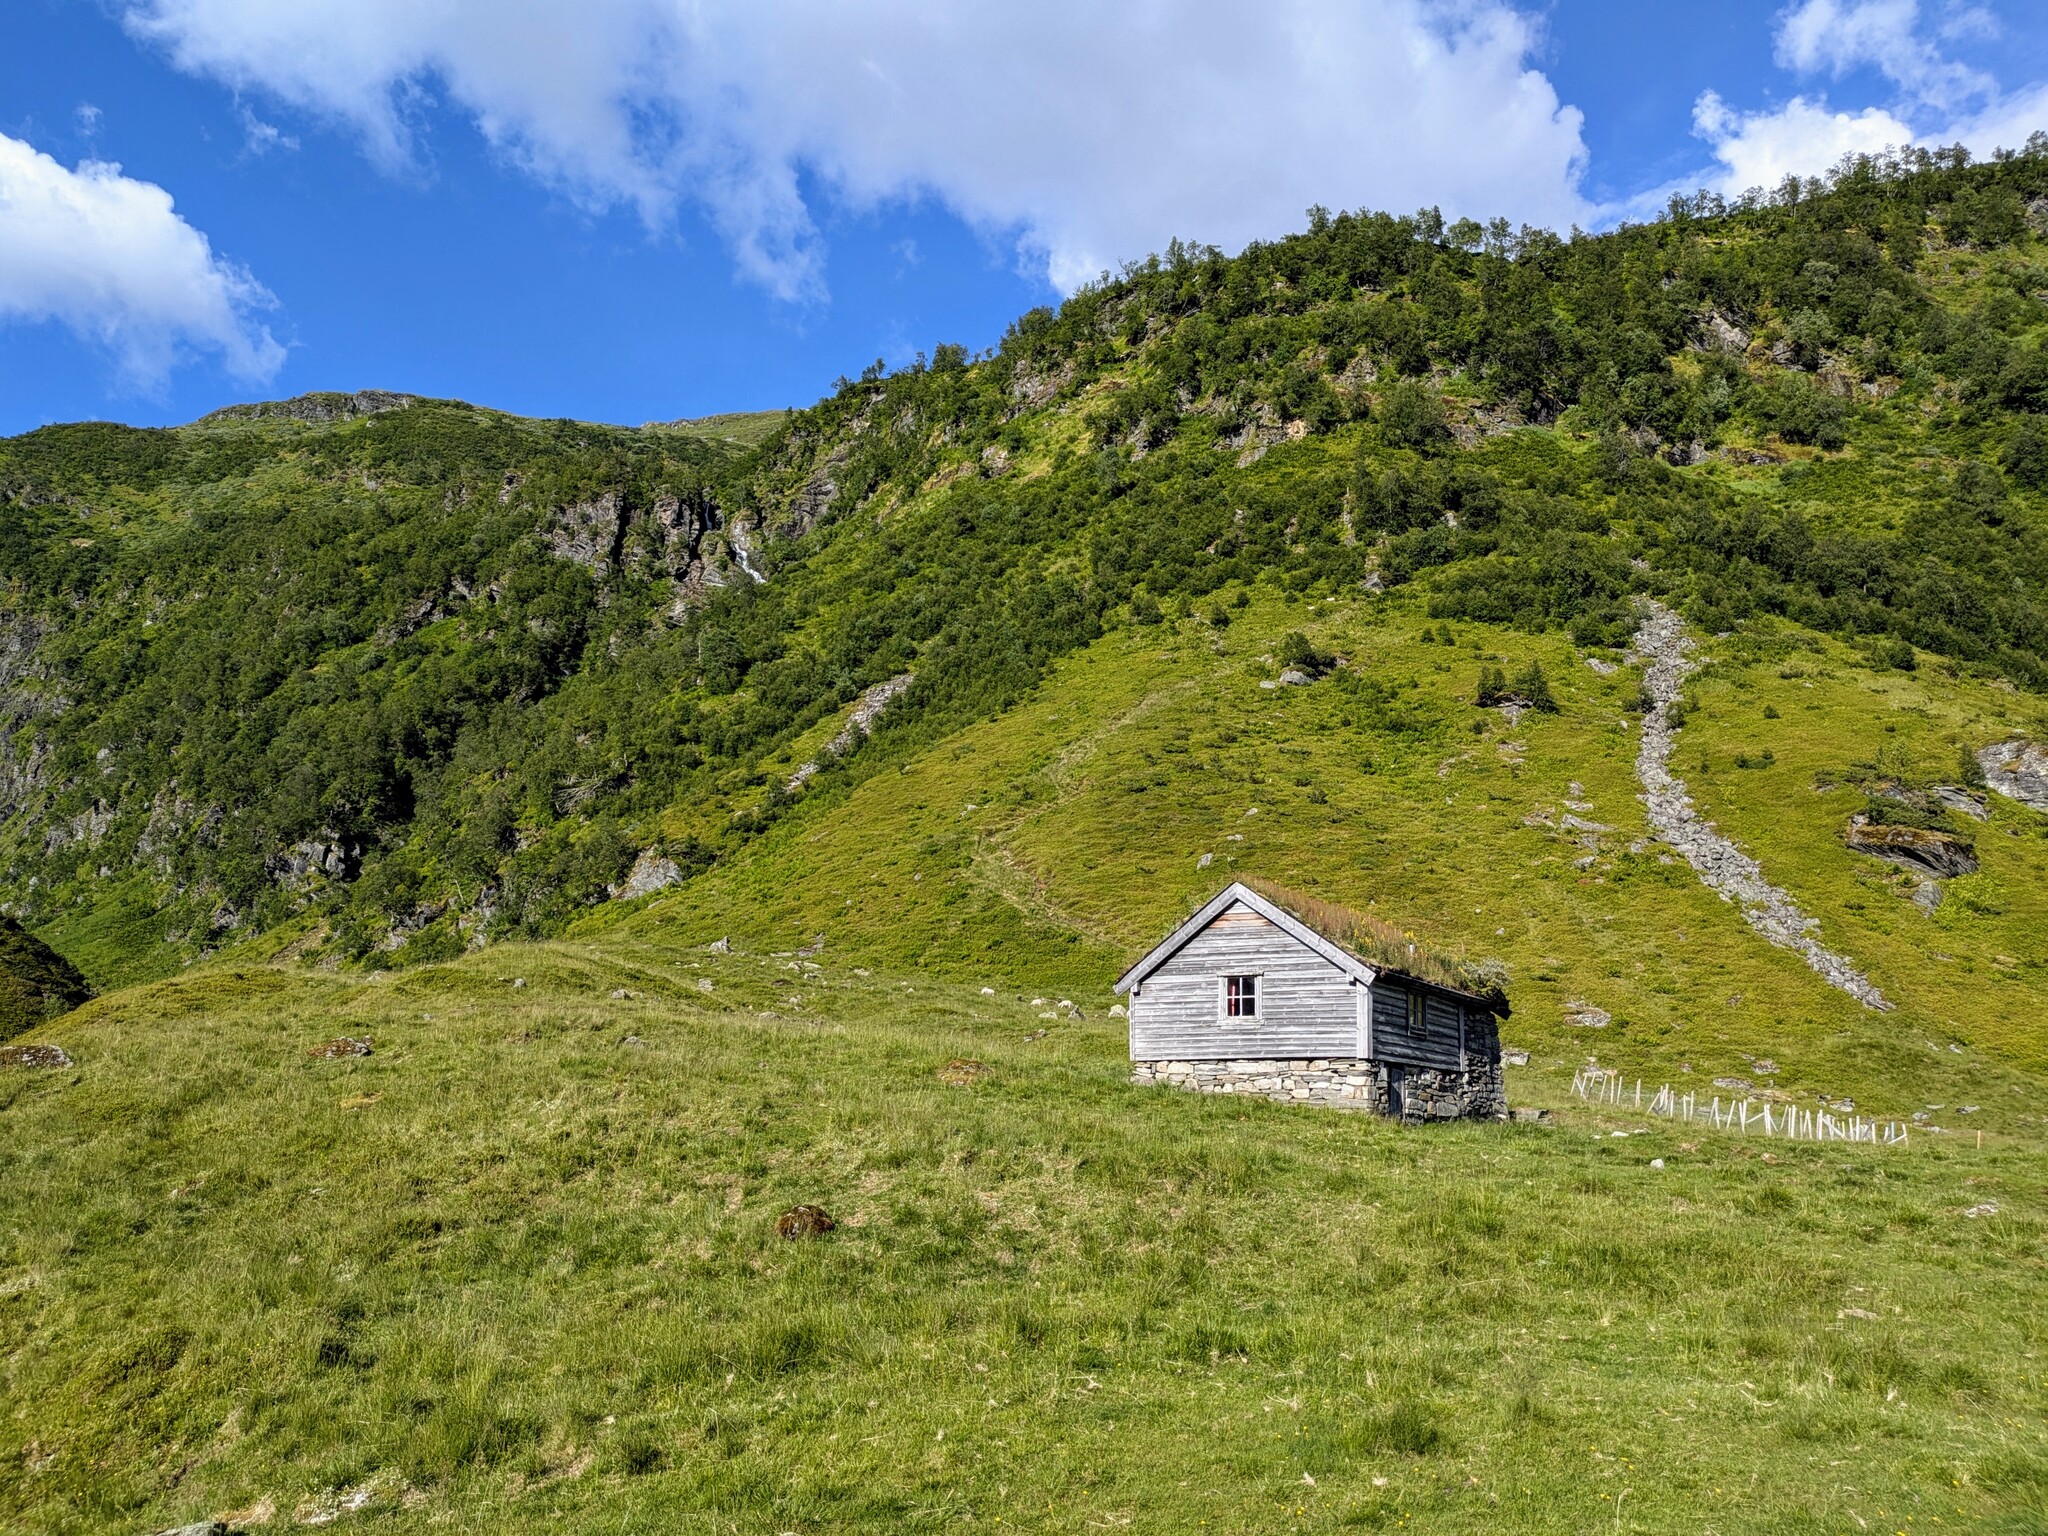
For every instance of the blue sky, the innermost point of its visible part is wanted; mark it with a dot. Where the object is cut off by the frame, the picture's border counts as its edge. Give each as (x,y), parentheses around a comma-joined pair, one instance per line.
(632,210)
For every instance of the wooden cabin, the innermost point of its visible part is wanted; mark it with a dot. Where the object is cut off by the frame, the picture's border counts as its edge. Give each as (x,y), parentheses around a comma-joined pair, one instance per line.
(1247,996)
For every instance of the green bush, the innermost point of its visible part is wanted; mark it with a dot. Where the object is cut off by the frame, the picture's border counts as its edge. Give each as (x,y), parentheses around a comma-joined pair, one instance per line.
(1298,652)
(1411,415)
(36,983)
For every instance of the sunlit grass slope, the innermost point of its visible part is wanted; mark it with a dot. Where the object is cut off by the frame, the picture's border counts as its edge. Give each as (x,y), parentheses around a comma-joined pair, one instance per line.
(518,1271)
(1047,847)
(518,1268)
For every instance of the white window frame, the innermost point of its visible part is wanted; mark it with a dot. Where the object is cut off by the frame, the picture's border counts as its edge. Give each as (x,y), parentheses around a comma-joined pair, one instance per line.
(1258,981)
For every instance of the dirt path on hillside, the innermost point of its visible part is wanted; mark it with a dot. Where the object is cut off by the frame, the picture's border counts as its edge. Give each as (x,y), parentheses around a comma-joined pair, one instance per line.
(1667,659)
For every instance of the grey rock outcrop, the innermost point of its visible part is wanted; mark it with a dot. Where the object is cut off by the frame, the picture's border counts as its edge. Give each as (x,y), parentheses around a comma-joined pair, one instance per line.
(25,698)
(1668,659)
(1718,333)
(1919,849)
(651,872)
(1030,390)
(1962,801)
(2018,770)
(1585,1015)
(321,407)
(35,1058)
(328,856)
(859,725)
(683,538)
(590,533)
(813,499)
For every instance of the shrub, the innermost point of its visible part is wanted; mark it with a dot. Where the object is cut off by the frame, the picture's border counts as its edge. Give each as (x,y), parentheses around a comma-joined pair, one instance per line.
(1299,652)
(2026,454)
(1529,688)
(36,983)
(1533,689)
(1411,415)
(1799,411)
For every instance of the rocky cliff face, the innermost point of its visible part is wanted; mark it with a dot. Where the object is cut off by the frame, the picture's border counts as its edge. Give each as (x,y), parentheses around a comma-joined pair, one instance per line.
(1920,849)
(590,533)
(683,540)
(24,699)
(322,407)
(2018,770)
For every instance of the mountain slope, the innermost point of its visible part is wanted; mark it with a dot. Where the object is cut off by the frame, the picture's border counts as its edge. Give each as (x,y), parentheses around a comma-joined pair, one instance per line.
(316,714)
(414,676)
(1043,849)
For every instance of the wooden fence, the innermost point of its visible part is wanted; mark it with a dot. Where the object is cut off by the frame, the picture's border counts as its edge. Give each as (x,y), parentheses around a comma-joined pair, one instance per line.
(1597,1085)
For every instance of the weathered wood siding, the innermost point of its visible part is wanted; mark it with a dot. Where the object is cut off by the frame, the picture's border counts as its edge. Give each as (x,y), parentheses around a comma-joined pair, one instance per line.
(1307,1006)
(1441,1043)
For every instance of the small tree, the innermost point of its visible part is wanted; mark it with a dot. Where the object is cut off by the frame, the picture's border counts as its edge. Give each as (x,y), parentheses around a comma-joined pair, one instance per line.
(1492,689)
(2026,454)
(1412,416)
(1301,653)
(1533,689)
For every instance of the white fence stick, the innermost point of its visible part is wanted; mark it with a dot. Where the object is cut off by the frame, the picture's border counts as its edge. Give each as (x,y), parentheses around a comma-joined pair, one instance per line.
(1601,1086)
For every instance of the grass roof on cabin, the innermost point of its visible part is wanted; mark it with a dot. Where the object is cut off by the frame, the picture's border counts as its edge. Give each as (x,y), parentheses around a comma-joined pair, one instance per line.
(1384,946)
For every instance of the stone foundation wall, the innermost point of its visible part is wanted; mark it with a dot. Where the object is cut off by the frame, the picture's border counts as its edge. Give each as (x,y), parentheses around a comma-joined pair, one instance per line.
(1427,1094)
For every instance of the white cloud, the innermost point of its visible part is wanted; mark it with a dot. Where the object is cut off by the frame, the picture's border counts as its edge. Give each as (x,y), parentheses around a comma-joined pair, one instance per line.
(109,257)
(260,138)
(1840,36)
(1801,138)
(1940,101)
(2006,122)
(1086,133)
(1967,23)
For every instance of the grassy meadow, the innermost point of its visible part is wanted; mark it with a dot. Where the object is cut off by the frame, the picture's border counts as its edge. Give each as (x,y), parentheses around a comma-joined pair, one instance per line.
(519,1268)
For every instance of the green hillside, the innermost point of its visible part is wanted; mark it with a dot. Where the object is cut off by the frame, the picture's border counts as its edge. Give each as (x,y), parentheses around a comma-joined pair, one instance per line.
(475,735)
(417,676)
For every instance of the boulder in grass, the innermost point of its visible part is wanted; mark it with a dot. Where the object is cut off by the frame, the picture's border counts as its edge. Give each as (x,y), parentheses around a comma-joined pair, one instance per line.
(2018,770)
(804,1221)
(961,1073)
(337,1050)
(36,983)
(33,1056)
